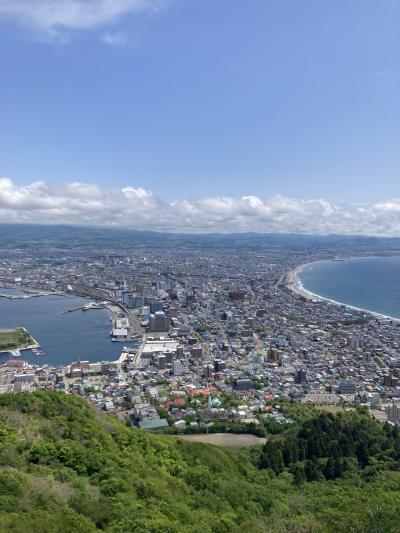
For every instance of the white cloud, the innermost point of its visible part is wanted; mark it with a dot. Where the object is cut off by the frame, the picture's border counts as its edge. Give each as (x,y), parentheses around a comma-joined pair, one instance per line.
(54,15)
(115,39)
(135,207)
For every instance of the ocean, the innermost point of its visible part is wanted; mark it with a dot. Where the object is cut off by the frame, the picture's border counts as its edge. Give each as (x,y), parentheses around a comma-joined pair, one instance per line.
(372,283)
(64,337)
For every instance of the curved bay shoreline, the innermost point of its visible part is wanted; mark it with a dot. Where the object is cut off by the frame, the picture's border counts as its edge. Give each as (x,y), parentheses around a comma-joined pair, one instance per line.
(295,285)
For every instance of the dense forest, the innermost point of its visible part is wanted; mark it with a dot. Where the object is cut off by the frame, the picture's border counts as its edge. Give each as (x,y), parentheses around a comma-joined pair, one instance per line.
(329,446)
(64,467)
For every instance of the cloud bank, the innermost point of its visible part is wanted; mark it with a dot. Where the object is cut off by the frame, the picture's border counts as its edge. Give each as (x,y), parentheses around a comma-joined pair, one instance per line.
(52,15)
(137,208)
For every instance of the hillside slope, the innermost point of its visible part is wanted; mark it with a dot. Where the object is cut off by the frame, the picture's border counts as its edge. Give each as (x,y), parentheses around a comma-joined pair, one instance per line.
(64,467)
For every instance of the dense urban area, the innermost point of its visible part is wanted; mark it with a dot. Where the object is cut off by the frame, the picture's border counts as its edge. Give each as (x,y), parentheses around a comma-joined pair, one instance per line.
(217,343)
(221,331)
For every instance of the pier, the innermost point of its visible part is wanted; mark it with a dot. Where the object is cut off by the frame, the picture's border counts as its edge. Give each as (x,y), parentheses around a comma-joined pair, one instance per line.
(87,307)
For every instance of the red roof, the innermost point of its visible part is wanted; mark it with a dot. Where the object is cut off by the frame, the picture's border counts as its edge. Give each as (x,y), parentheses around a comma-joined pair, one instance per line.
(15,362)
(180,401)
(196,392)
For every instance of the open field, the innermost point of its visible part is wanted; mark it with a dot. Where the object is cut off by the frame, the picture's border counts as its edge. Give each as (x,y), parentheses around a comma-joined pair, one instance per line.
(228,440)
(11,339)
(335,409)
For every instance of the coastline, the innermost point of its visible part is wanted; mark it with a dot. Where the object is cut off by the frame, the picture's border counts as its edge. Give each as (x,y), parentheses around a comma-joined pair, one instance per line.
(295,285)
(30,347)
(29,293)
(108,351)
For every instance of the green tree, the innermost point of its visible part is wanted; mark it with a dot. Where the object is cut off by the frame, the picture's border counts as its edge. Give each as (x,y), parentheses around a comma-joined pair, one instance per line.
(299,476)
(311,471)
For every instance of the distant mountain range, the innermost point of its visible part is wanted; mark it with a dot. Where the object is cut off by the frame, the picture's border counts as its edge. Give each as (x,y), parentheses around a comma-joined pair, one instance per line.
(28,235)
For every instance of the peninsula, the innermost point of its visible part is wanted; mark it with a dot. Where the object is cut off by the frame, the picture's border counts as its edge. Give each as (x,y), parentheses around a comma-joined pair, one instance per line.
(16,339)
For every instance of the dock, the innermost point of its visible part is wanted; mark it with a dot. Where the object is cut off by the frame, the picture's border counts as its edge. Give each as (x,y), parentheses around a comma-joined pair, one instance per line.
(86,307)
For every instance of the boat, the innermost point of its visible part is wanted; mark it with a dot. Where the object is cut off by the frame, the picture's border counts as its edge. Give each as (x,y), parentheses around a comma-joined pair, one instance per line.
(15,353)
(36,351)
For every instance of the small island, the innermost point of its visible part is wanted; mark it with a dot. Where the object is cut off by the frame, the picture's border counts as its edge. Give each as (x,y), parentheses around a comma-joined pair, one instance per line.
(16,339)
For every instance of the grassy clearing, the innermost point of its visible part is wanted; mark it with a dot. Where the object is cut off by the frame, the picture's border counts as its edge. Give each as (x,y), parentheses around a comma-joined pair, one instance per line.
(334,409)
(16,338)
(228,440)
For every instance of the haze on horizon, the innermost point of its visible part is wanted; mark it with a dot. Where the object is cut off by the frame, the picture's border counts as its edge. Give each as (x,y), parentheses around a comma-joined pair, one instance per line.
(201,116)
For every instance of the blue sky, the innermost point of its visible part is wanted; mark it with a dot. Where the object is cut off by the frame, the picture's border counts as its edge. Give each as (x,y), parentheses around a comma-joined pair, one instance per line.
(203,98)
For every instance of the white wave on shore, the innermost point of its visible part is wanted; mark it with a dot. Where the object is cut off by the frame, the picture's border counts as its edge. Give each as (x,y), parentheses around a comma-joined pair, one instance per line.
(294,283)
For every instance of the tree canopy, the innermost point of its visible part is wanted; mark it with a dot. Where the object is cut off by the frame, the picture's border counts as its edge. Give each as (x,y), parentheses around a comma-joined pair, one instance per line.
(64,467)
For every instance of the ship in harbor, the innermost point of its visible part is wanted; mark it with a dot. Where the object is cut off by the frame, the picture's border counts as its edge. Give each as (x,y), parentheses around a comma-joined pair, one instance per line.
(38,352)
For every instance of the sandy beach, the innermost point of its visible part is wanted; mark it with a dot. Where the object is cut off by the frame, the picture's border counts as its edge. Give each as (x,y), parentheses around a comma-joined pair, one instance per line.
(294,284)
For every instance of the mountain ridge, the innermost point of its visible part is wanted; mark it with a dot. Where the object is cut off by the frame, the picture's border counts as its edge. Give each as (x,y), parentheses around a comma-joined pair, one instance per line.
(66,467)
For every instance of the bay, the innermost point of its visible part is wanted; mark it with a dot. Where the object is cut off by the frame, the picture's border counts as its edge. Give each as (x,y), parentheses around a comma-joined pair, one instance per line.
(371,284)
(64,337)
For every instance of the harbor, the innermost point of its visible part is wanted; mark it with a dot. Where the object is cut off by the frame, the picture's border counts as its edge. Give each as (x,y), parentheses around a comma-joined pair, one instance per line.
(61,336)
(16,352)
(28,293)
(88,307)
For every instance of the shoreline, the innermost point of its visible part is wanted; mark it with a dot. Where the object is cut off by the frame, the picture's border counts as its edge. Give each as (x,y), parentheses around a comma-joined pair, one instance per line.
(44,361)
(295,285)
(28,293)
(30,347)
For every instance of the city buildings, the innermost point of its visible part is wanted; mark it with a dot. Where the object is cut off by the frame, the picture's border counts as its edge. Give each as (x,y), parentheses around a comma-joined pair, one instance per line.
(210,324)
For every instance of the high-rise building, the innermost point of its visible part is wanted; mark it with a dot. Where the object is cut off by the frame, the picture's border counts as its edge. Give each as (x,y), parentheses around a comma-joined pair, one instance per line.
(208,371)
(156,306)
(158,322)
(274,354)
(161,362)
(347,387)
(147,292)
(355,342)
(219,365)
(138,301)
(177,367)
(197,351)
(393,413)
(387,380)
(390,381)
(301,376)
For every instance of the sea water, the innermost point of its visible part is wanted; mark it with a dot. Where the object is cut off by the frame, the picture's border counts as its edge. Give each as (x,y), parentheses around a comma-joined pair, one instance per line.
(372,283)
(64,337)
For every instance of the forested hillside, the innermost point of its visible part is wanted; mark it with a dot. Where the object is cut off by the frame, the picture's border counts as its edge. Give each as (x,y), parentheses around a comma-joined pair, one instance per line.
(328,447)
(66,468)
